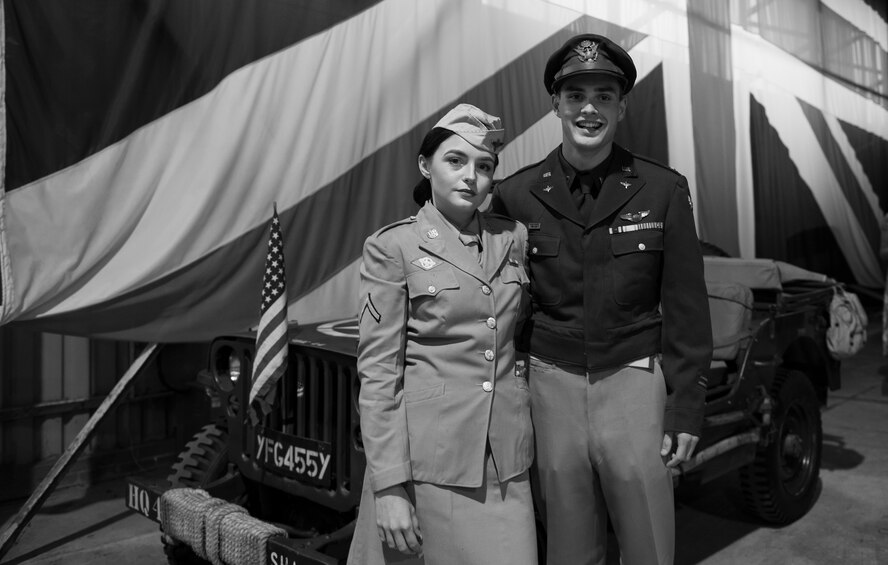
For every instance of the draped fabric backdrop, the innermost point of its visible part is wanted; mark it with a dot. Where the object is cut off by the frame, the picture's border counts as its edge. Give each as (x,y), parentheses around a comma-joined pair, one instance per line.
(144,141)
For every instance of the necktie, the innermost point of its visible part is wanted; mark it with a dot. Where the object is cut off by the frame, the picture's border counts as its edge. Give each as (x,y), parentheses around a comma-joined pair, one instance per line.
(588,188)
(472,241)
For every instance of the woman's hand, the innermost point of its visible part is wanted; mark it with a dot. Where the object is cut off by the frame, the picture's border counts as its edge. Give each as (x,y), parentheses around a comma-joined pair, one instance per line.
(396,520)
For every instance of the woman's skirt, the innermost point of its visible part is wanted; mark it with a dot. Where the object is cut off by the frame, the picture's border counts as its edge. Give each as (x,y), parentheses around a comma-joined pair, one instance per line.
(489,525)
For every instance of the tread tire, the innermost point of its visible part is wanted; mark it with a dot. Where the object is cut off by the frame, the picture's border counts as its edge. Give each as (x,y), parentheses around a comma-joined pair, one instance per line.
(203,461)
(781,484)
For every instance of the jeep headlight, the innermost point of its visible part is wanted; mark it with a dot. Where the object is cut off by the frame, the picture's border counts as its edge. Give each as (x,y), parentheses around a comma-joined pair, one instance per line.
(227,369)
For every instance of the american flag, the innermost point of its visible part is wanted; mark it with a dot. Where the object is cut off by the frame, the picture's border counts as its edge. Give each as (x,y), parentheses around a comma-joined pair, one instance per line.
(271,335)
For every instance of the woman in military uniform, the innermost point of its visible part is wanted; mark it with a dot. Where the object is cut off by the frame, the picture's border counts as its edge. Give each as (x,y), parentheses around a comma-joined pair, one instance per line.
(445,407)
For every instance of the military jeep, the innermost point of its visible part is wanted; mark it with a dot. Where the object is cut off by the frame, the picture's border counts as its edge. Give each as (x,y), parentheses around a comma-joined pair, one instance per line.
(300,470)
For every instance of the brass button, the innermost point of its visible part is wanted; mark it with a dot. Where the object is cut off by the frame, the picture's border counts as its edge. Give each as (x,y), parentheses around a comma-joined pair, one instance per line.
(487,386)
(432,289)
(535,250)
(485,289)
(488,355)
(641,247)
(491,322)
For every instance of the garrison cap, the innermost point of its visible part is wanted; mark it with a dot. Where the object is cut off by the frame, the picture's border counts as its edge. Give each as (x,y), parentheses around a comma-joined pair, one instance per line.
(589,54)
(476,126)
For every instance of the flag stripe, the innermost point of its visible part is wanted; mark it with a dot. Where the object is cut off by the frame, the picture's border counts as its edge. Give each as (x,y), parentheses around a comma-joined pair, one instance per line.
(847,181)
(789,223)
(271,372)
(870,150)
(269,339)
(68,100)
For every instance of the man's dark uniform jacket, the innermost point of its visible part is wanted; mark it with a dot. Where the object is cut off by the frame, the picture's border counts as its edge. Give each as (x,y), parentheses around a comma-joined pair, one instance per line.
(623,284)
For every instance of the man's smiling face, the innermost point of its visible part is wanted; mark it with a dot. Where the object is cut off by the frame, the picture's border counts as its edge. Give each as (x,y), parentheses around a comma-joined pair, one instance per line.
(589,107)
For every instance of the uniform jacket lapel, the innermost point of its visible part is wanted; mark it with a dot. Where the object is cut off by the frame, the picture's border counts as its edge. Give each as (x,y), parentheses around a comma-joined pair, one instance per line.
(439,238)
(621,184)
(496,249)
(551,188)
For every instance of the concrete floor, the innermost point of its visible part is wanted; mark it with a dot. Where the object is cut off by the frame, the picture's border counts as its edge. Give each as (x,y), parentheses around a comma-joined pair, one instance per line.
(848,524)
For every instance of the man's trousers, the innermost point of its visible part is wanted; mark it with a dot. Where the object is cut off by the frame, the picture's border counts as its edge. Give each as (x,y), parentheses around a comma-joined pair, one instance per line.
(598,439)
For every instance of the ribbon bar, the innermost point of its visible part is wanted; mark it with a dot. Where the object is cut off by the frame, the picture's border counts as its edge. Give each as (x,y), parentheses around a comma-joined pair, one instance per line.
(637,227)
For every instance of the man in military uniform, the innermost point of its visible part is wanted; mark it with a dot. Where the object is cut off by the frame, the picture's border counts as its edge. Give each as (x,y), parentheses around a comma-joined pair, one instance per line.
(620,334)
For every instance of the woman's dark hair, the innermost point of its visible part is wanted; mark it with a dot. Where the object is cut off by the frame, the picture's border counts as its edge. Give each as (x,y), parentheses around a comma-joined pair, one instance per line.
(422,192)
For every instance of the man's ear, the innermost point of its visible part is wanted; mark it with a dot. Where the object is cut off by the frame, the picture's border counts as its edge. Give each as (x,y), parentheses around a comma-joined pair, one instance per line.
(555,103)
(623,103)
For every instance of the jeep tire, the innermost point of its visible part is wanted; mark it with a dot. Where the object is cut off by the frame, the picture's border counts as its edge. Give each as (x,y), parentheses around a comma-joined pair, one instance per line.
(780,485)
(203,461)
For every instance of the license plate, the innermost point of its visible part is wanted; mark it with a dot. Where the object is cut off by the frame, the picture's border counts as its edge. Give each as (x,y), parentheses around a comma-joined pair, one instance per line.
(144,499)
(304,459)
(280,551)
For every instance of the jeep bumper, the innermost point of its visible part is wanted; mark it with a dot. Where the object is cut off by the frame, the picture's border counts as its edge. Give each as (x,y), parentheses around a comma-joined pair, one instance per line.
(215,529)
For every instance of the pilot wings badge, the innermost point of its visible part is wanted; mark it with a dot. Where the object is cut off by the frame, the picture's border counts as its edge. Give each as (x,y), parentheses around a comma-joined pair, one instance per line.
(635,216)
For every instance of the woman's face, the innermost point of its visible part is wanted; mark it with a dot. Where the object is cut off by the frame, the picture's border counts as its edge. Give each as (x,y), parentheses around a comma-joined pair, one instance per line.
(461,176)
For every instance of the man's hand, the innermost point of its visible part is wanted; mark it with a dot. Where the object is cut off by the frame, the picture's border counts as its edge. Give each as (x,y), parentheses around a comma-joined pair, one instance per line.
(683,451)
(396,520)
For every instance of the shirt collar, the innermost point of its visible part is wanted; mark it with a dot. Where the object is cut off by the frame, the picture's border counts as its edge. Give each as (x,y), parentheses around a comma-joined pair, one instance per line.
(571,173)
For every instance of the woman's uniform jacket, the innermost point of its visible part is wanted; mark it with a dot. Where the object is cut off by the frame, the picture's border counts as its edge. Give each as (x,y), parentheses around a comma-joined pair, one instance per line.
(436,356)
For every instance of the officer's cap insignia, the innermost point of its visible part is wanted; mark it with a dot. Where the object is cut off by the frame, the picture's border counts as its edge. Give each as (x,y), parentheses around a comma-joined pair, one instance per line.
(625,184)
(425,263)
(370,308)
(635,216)
(433,233)
(548,188)
(587,51)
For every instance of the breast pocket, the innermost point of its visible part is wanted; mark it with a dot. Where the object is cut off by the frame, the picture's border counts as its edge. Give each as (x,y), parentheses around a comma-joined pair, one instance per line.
(544,251)
(430,289)
(638,258)
(513,273)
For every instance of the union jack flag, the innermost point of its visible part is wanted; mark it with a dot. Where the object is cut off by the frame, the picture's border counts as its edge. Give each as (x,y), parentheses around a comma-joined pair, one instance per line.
(271,335)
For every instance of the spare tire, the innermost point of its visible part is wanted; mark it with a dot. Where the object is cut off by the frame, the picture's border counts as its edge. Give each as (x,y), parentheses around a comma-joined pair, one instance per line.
(202,462)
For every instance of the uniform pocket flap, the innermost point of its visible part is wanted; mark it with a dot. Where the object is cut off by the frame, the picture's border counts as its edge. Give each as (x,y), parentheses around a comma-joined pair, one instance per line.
(544,245)
(637,242)
(430,283)
(513,274)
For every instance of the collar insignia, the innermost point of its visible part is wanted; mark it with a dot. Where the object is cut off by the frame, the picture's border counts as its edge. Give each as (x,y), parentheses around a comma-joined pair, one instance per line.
(432,233)
(425,263)
(627,169)
(635,216)
(625,184)
(547,174)
(548,188)
(587,51)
